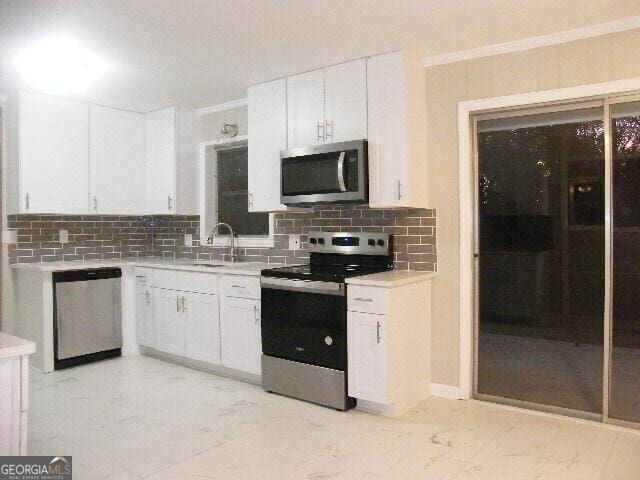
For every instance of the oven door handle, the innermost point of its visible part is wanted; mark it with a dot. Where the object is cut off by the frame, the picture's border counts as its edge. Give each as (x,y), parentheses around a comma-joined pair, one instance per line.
(309,286)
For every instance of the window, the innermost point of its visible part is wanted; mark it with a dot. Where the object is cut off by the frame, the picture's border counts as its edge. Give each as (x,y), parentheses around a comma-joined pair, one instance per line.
(233,194)
(225,197)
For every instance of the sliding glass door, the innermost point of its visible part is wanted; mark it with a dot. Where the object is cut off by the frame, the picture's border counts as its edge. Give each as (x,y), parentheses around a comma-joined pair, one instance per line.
(624,388)
(540,258)
(557,277)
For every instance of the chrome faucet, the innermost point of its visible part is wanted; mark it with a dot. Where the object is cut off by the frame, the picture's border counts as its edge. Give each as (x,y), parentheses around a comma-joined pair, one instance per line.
(233,235)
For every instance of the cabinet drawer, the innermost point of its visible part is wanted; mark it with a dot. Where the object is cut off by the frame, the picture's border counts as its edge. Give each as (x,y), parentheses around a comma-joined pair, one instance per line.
(367,299)
(241,286)
(186,281)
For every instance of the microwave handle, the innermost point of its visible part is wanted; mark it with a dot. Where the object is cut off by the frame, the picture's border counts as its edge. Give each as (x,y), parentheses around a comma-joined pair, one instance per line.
(343,187)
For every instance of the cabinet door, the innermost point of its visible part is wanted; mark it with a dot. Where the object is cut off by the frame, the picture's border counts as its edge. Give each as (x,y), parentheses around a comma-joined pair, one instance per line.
(367,356)
(144,313)
(116,161)
(345,87)
(169,321)
(267,137)
(54,159)
(305,109)
(241,334)
(160,161)
(388,134)
(202,340)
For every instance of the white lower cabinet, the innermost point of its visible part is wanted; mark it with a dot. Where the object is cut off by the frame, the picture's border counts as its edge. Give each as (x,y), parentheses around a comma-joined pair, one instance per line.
(240,334)
(388,345)
(14,396)
(219,325)
(366,337)
(202,326)
(168,321)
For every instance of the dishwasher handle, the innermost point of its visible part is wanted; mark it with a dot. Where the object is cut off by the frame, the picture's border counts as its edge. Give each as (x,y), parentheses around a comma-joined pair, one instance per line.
(86,275)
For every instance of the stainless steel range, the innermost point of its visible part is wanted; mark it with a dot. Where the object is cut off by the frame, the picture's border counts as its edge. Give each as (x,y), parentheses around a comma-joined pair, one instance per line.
(304,316)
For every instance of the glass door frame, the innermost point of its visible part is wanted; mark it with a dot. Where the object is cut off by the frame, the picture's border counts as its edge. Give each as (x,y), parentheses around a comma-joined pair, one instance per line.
(605,102)
(609,101)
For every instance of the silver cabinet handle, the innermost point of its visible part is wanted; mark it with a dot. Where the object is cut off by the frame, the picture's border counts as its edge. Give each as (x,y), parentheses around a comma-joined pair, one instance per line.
(169,203)
(95,204)
(26,201)
(360,299)
(399,190)
(320,131)
(256,317)
(377,332)
(148,297)
(343,187)
(250,200)
(178,304)
(184,304)
(237,286)
(328,125)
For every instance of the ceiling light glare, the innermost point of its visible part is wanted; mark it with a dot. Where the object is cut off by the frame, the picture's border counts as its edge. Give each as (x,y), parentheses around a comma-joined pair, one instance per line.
(59,65)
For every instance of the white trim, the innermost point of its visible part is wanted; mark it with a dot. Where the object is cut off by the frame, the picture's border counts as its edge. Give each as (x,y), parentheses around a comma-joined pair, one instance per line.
(557,38)
(465,185)
(446,391)
(221,107)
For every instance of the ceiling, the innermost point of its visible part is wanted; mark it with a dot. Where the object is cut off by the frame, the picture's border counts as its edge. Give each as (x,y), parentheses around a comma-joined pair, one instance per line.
(205,52)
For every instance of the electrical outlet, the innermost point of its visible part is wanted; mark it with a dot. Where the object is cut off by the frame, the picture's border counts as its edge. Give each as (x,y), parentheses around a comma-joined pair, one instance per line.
(64,236)
(9,236)
(294,242)
(188,240)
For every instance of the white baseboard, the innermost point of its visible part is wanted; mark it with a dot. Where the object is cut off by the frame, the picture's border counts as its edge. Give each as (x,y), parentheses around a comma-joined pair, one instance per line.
(446,391)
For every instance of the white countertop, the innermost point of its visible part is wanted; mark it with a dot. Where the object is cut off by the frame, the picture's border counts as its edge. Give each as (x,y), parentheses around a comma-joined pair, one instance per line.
(239,268)
(11,346)
(392,278)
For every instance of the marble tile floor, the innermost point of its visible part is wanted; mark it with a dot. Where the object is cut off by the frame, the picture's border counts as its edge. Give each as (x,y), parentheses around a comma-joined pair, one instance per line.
(138,417)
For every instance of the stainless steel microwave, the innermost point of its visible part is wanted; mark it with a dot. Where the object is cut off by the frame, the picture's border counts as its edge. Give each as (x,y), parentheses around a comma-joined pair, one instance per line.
(331,173)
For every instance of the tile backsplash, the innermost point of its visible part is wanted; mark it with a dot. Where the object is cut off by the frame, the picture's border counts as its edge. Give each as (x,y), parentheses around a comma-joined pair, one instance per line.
(107,237)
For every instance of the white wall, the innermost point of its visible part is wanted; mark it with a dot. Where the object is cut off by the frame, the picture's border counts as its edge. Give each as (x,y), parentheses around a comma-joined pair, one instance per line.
(211,123)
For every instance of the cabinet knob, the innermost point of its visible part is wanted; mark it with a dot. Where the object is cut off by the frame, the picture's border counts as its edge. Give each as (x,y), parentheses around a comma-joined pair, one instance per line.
(26,202)
(377,332)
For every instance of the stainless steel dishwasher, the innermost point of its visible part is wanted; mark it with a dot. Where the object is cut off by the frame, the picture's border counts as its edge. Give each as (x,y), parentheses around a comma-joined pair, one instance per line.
(87,317)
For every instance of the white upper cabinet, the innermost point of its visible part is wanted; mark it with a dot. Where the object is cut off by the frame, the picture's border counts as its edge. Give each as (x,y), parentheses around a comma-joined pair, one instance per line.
(305,109)
(160,161)
(396,100)
(328,105)
(53,155)
(171,161)
(116,161)
(267,137)
(346,102)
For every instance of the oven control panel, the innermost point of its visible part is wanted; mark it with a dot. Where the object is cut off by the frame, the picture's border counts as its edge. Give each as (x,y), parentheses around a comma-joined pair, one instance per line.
(351,243)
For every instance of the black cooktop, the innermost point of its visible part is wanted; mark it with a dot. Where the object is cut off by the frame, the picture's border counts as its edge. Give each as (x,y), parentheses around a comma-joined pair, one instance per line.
(321,273)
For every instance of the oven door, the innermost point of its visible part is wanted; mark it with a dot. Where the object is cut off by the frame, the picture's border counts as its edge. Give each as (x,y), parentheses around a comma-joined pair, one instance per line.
(325,174)
(305,321)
